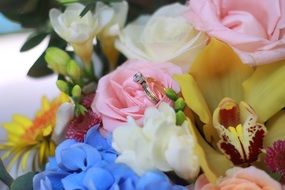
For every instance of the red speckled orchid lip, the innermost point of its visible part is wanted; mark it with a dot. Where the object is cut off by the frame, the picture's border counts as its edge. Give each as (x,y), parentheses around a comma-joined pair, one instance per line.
(241,137)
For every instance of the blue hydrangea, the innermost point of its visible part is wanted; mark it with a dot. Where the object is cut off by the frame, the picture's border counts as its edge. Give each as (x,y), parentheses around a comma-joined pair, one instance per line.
(91,166)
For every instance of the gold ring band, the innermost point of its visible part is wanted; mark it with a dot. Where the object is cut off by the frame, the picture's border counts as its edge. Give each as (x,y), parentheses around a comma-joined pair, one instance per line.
(140,79)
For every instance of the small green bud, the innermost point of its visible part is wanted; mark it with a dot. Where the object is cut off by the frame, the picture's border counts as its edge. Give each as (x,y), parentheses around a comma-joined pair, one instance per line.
(179,104)
(79,110)
(73,70)
(76,91)
(180,117)
(171,94)
(57,60)
(63,86)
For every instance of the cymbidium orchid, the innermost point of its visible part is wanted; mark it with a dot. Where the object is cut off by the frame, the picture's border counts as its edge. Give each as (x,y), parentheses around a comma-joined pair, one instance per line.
(217,80)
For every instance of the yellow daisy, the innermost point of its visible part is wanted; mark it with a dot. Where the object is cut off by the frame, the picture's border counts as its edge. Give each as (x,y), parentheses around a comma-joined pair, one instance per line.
(28,138)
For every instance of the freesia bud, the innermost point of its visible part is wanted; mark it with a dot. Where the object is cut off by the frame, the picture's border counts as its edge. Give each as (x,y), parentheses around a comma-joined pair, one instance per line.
(57,60)
(180,117)
(63,86)
(179,104)
(171,94)
(73,70)
(76,91)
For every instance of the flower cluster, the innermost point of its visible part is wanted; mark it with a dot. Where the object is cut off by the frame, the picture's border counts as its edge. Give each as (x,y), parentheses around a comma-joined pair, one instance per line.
(90,165)
(198,103)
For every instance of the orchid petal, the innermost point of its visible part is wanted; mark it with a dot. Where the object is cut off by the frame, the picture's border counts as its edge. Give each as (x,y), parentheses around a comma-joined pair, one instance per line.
(219,73)
(265,90)
(213,163)
(276,129)
(195,101)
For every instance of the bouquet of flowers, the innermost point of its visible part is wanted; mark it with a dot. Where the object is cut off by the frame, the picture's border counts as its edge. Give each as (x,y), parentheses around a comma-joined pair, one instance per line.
(195,100)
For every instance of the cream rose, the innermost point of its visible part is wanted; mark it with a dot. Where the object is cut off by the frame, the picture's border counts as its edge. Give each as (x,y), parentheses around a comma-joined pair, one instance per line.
(164,36)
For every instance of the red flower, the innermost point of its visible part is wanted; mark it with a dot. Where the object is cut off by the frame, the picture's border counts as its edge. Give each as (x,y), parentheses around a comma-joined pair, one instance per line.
(275,158)
(78,126)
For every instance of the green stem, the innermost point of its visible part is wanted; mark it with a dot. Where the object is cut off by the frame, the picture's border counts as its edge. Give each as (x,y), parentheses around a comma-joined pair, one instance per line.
(5,177)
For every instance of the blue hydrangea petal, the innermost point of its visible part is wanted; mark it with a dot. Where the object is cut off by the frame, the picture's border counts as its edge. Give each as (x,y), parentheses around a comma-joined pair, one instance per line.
(95,139)
(93,156)
(74,181)
(73,159)
(64,145)
(49,180)
(122,172)
(109,155)
(98,179)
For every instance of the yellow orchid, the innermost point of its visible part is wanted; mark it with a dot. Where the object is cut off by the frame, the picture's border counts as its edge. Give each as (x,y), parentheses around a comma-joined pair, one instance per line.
(28,138)
(216,81)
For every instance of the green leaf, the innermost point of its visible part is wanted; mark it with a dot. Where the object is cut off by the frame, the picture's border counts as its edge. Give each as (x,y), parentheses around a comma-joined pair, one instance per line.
(39,68)
(4,175)
(23,182)
(34,40)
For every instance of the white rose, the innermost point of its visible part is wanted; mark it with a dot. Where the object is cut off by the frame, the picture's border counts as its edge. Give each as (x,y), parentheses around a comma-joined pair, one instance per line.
(160,144)
(164,36)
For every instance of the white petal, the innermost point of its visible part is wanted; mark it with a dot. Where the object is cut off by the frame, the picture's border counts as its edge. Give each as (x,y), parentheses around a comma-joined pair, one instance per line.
(63,116)
(181,156)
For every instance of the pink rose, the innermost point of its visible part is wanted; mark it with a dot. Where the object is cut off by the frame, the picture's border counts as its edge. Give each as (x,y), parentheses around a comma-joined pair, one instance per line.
(254,28)
(118,96)
(249,178)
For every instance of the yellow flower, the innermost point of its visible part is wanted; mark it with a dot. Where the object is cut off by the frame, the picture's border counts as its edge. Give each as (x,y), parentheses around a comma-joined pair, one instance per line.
(218,73)
(32,138)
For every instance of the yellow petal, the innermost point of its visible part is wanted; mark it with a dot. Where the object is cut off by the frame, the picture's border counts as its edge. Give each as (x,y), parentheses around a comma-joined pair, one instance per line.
(23,121)
(25,158)
(213,163)
(13,129)
(45,103)
(112,54)
(276,129)
(193,97)
(265,90)
(219,73)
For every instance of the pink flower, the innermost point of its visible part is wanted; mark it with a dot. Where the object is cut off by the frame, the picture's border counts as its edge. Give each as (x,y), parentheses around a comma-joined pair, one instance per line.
(249,178)
(118,96)
(254,28)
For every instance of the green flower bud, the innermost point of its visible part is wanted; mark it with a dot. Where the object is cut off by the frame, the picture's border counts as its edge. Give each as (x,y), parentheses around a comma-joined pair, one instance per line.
(171,94)
(76,91)
(180,117)
(179,104)
(73,70)
(57,60)
(63,86)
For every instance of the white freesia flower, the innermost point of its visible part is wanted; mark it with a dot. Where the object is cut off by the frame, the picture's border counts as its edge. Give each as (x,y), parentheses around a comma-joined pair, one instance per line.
(160,144)
(78,31)
(164,36)
(112,19)
(71,26)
